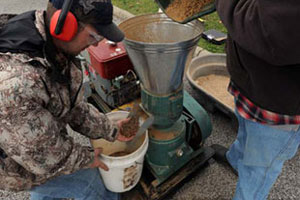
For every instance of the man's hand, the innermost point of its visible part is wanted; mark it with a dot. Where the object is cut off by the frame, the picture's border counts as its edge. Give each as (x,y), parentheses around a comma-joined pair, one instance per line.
(127,128)
(97,162)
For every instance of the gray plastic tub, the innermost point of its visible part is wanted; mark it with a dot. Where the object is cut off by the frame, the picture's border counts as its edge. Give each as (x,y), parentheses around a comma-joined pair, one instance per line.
(211,64)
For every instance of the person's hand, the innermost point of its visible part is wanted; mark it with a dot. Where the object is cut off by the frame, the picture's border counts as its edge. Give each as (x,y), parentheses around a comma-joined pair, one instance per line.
(127,129)
(97,162)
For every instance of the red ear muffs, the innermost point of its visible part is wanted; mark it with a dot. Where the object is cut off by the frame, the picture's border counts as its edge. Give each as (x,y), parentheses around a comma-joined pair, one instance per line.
(69,29)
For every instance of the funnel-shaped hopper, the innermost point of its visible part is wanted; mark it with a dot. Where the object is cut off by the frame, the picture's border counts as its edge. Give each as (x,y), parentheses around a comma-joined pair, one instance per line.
(159,49)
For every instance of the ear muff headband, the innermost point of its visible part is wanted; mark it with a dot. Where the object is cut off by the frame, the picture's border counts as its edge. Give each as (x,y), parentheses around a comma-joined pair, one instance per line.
(63,24)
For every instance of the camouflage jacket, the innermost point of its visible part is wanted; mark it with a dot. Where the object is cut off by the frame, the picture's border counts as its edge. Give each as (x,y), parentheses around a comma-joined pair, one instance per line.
(34,112)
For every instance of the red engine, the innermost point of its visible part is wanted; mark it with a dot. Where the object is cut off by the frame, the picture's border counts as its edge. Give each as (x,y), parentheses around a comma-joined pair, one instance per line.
(109,59)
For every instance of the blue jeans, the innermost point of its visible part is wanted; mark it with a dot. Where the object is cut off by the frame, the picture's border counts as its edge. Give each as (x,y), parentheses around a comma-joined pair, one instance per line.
(85,184)
(258,155)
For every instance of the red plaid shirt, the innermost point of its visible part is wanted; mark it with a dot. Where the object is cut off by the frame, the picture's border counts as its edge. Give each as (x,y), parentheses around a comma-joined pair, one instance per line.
(250,111)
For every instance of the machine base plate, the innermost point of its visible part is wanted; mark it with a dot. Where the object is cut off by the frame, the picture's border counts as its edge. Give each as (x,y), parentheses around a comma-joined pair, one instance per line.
(147,189)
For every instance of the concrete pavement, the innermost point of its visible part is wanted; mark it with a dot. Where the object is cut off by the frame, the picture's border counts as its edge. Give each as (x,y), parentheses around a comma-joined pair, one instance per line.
(19,6)
(215,181)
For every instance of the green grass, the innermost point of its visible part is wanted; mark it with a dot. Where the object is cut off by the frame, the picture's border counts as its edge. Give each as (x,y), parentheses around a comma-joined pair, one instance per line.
(137,7)
(211,21)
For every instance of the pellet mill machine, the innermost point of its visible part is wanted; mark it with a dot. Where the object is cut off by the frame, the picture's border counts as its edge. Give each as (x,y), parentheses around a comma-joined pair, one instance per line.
(159,50)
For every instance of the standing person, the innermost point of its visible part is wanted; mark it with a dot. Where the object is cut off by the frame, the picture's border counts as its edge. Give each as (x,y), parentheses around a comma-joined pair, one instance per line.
(40,93)
(264,64)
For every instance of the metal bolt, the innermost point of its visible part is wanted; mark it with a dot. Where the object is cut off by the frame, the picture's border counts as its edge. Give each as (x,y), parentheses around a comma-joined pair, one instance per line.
(111,43)
(179,153)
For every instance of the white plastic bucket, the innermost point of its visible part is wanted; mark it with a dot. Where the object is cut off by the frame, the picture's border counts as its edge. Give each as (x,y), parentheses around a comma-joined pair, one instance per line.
(124,171)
